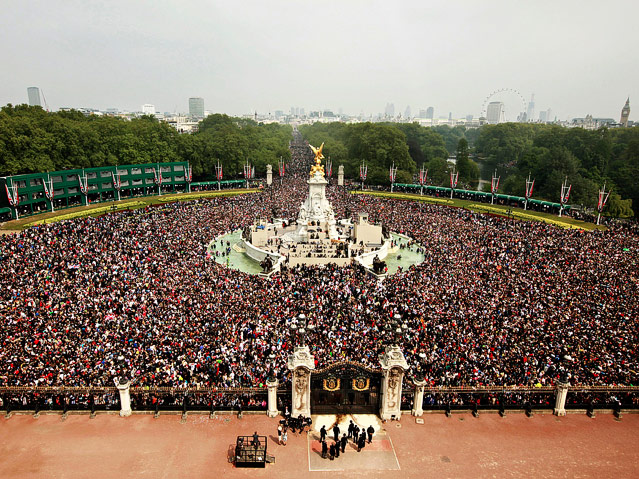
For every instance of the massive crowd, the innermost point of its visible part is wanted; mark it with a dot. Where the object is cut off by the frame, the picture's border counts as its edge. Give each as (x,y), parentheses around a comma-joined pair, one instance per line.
(496,301)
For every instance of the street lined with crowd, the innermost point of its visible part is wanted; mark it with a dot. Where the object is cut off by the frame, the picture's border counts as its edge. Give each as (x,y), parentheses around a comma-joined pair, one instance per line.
(496,301)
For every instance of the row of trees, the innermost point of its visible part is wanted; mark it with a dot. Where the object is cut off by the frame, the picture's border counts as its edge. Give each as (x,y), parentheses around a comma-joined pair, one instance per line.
(550,154)
(33,140)
(407,145)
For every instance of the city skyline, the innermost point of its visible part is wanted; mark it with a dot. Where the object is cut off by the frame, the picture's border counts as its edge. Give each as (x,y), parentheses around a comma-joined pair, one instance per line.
(357,56)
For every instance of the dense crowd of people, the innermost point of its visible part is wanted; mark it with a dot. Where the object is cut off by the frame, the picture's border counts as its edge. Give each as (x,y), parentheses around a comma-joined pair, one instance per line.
(496,301)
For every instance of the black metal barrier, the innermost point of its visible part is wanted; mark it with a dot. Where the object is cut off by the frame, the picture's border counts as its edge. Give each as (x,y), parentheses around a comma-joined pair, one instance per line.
(42,399)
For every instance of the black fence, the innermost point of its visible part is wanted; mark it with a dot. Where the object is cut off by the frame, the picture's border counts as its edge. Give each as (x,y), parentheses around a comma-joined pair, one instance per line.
(41,399)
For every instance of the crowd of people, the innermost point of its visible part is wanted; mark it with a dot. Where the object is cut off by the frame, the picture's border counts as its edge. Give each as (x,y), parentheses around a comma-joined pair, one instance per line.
(495,302)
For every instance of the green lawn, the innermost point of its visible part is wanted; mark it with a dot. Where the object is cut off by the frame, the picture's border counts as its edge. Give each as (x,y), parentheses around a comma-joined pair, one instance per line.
(518,213)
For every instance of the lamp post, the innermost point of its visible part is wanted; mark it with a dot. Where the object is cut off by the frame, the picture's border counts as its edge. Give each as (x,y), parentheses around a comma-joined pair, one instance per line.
(419,382)
(301,363)
(394,365)
(396,328)
(301,326)
(123,383)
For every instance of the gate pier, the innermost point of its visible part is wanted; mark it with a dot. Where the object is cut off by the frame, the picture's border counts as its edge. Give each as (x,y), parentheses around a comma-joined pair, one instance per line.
(301,362)
(394,366)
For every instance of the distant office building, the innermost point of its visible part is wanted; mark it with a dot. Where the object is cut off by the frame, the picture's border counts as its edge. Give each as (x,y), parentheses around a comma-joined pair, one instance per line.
(469,118)
(34,96)
(301,112)
(148,109)
(430,113)
(495,112)
(530,112)
(389,111)
(625,113)
(196,107)
(549,117)
(407,112)
(542,116)
(450,116)
(421,114)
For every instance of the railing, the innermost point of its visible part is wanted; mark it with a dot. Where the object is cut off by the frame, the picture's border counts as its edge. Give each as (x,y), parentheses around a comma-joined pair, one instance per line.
(158,399)
(142,399)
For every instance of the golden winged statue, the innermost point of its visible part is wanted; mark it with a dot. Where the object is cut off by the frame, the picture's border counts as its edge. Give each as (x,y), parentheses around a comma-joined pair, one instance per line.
(317,167)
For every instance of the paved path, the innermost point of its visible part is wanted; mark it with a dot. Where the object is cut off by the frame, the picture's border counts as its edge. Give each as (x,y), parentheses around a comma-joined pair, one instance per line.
(456,447)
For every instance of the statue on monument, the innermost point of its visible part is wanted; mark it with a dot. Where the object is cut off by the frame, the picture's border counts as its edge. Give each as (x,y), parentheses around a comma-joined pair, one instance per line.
(393,386)
(301,382)
(317,167)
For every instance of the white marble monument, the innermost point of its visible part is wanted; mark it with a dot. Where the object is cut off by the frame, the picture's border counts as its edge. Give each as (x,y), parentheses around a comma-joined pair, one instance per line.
(269,175)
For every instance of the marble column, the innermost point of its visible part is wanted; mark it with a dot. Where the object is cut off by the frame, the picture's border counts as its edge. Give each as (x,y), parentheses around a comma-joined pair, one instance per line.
(394,366)
(340,176)
(269,175)
(125,397)
(560,399)
(418,397)
(272,397)
(301,363)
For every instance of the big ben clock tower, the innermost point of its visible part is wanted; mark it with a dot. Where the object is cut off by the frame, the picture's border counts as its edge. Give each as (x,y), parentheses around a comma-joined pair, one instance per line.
(625,113)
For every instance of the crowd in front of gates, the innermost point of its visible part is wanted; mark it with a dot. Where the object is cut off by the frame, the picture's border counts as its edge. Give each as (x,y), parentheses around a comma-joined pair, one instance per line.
(495,302)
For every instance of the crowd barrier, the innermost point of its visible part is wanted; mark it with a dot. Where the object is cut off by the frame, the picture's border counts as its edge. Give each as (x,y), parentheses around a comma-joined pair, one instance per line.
(238,400)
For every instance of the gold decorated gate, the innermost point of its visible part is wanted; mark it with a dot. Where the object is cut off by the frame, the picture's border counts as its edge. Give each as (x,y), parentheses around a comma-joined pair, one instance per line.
(345,388)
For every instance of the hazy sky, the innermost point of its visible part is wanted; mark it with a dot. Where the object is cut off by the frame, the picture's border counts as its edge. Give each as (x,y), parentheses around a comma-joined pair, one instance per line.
(578,57)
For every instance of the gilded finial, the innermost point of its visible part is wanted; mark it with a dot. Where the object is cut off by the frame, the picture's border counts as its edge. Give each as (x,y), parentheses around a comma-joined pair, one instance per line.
(317,167)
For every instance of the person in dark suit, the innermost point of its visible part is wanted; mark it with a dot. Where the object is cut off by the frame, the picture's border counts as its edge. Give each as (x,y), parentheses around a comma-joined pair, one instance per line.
(361,442)
(331,451)
(370,432)
(343,442)
(355,433)
(337,449)
(351,428)
(322,433)
(324,449)
(336,432)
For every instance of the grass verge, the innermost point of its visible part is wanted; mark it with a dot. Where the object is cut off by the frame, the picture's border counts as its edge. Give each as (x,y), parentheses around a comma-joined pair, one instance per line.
(98,209)
(508,211)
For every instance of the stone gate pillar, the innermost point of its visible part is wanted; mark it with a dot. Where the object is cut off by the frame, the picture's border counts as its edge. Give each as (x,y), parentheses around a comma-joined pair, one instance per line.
(272,397)
(394,366)
(340,176)
(269,174)
(560,399)
(418,397)
(125,397)
(301,363)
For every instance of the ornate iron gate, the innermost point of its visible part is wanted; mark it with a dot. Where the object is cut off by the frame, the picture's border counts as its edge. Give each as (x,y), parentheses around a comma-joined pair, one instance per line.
(345,388)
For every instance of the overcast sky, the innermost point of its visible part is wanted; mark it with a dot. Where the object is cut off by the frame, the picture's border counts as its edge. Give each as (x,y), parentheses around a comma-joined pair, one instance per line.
(577,57)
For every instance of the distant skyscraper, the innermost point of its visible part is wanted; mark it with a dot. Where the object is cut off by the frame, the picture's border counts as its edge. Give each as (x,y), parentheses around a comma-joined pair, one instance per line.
(422,114)
(148,109)
(430,112)
(549,115)
(530,113)
(495,112)
(450,116)
(196,107)
(389,110)
(34,96)
(542,116)
(407,112)
(625,113)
